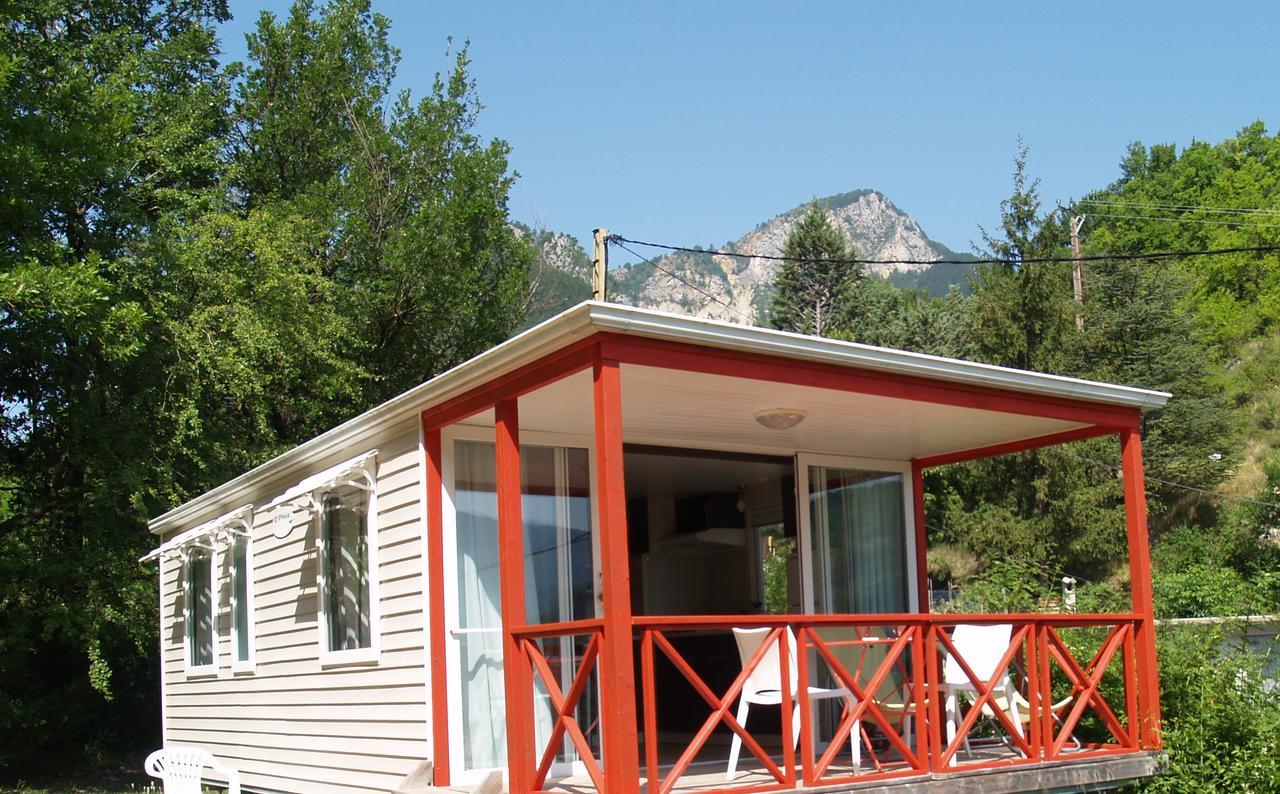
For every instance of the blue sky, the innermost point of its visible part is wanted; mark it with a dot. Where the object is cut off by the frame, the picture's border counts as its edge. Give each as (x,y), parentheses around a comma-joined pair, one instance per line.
(691,122)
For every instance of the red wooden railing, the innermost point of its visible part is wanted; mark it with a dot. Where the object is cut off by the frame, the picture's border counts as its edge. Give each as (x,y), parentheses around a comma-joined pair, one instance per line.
(891,667)
(564,703)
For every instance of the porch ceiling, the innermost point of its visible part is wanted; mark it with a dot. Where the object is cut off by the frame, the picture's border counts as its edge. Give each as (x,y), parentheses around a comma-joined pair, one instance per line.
(684,409)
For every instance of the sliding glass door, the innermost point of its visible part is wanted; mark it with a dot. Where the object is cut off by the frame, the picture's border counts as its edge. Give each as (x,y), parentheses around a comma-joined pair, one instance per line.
(560,585)
(857,536)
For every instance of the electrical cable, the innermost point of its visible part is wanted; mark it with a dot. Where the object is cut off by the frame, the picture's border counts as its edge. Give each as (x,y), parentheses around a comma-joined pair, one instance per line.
(1184,486)
(1152,256)
(1180,207)
(615,240)
(1239,224)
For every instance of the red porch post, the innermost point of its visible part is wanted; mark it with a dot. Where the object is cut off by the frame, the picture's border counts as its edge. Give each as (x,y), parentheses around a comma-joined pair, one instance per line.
(1135,508)
(516,673)
(435,601)
(922,537)
(620,737)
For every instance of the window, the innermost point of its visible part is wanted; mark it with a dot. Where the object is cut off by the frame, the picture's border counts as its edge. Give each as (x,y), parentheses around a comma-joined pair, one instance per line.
(202,633)
(241,601)
(348,622)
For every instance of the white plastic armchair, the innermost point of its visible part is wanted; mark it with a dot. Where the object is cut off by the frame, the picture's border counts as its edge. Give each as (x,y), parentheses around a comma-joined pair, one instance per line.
(180,769)
(764,687)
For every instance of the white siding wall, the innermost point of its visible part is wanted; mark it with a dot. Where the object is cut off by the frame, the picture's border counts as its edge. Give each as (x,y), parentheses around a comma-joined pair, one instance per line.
(292,725)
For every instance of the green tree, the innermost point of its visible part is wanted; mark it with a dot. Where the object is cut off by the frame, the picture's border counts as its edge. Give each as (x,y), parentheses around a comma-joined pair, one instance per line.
(1019,308)
(385,186)
(112,123)
(816,278)
(202,267)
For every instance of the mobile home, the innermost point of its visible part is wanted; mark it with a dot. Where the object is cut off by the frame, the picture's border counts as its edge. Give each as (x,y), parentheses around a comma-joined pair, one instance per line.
(632,550)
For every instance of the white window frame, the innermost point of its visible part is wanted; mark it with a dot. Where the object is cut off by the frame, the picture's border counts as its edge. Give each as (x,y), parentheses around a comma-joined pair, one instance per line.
(806,459)
(188,613)
(248,664)
(372,654)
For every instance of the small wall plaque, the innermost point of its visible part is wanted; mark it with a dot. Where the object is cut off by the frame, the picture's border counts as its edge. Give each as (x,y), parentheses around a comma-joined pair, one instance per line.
(282,523)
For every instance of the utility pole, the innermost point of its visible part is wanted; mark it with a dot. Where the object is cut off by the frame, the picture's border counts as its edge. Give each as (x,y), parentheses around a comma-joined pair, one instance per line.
(599,264)
(1077,273)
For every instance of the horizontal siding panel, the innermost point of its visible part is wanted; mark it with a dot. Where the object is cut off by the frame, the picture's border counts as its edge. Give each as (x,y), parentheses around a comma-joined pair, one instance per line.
(268,777)
(274,723)
(401,488)
(383,752)
(402,548)
(290,724)
(326,696)
(404,516)
(305,713)
(391,570)
(315,774)
(400,632)
(395,667)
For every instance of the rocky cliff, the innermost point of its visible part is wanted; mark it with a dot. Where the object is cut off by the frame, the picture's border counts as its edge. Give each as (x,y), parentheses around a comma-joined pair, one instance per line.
(876,227)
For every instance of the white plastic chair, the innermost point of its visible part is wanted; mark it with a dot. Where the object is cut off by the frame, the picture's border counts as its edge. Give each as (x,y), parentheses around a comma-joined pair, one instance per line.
(180,769)
(981,648)
(764,687)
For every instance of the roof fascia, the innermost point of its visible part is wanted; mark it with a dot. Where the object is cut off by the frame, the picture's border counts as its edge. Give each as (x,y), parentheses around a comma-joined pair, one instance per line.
(591,317)
(712,333)
(543,338)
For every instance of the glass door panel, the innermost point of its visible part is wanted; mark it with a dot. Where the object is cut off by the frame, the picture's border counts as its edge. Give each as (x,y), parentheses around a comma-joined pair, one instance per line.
(560,583)
(858,539)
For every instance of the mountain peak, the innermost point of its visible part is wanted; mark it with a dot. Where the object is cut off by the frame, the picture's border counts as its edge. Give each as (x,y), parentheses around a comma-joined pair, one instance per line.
(743,287)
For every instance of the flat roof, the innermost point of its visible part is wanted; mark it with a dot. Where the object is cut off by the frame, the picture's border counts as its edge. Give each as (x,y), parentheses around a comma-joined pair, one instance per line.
(592,317)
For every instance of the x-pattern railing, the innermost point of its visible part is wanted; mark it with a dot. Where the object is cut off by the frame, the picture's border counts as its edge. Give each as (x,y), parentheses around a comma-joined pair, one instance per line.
(721,706)
(1037,660)
(865,685)
(1085,682)
(985,691)
(565,704)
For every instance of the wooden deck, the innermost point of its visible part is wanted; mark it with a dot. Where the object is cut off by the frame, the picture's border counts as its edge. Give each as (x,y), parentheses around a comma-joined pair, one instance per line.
(1088,773)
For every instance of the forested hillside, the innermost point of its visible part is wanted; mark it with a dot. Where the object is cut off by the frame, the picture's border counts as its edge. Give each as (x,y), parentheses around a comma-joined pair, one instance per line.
(1003,533)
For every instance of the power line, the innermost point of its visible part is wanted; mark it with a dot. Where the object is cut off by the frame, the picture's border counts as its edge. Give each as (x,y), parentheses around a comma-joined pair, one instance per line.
(1184,486)
(1181,207)
(1240,224)
(1154,255)
(616,240)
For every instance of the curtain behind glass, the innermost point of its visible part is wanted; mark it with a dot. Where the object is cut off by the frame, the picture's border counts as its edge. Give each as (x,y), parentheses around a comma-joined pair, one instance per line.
(346,568)
(200,612)
(558,569)
(484,738)
(859,540)
(240,596)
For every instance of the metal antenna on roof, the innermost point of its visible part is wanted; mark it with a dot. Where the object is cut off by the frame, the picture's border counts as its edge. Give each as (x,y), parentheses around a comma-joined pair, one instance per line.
(599,264)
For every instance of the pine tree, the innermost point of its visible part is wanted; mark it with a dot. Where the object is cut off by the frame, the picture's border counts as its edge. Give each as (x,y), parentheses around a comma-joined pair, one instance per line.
(1020,310)
(816,278)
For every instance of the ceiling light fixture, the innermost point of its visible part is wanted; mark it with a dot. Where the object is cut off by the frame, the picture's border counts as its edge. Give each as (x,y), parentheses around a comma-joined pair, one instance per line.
(780,418)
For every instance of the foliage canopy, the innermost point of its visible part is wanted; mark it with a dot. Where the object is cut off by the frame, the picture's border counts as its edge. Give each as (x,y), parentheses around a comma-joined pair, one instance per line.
(204,264)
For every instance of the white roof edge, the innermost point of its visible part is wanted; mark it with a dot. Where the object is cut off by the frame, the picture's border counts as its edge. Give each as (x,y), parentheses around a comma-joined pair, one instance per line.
(322,480)
(590,316)
(716,333)
(555,332)
(1218,620)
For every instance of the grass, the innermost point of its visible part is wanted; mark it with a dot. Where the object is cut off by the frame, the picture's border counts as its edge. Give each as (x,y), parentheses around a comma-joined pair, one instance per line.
(82,787)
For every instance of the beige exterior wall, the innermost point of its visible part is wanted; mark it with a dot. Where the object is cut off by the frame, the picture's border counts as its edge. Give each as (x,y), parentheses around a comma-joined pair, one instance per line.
(291,724)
